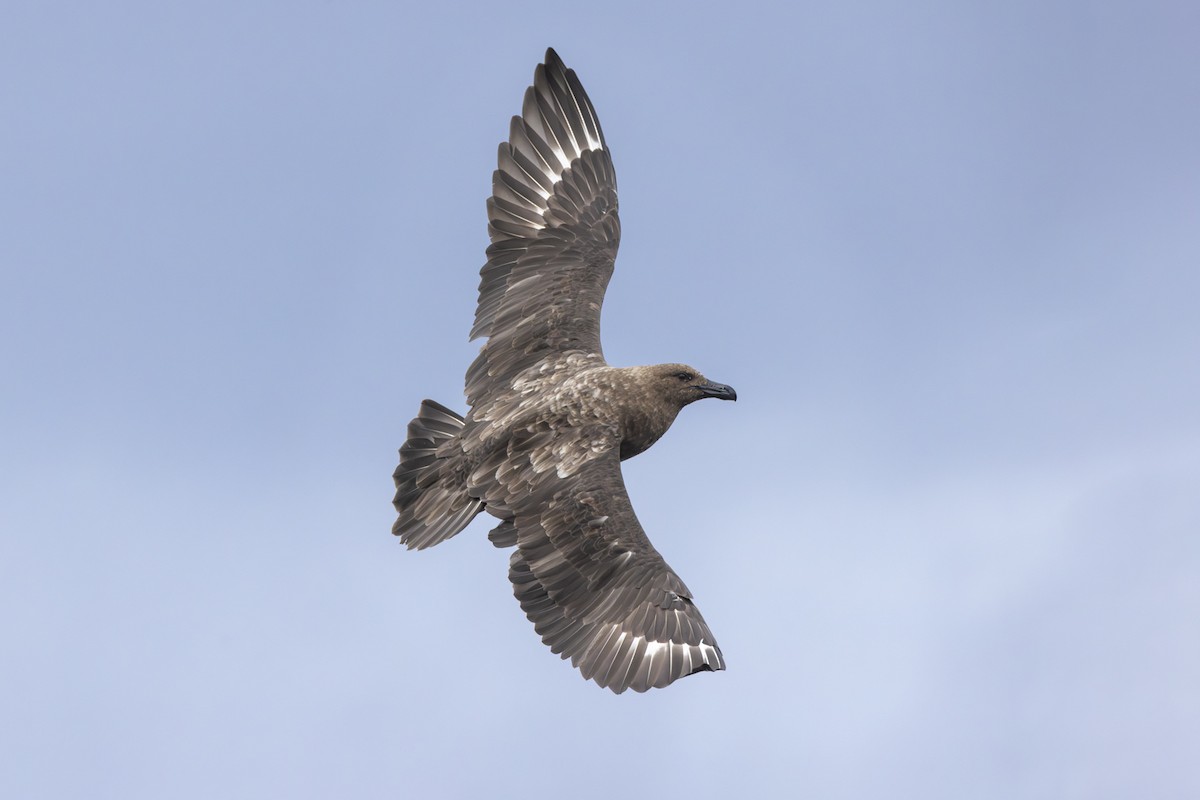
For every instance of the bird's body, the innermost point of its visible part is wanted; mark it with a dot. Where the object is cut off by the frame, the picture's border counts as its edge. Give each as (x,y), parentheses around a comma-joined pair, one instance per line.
(550,420)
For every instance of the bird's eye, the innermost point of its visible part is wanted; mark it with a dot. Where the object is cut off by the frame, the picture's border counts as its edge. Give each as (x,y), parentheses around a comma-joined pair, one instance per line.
(684,376)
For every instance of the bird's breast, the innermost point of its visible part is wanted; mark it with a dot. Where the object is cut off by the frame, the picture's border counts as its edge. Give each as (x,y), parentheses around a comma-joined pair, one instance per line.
(642,426)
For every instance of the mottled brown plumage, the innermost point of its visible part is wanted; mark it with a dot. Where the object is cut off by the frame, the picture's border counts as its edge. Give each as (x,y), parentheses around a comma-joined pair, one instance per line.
(550,421)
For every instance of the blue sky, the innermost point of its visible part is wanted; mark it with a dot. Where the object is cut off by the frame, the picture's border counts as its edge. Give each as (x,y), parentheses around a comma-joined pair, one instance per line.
(947,538)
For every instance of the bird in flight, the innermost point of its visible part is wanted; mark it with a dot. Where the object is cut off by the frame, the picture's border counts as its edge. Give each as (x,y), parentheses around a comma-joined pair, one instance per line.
(550,421)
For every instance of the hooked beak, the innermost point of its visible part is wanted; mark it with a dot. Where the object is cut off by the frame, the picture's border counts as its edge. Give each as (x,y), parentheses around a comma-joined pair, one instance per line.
(717,390)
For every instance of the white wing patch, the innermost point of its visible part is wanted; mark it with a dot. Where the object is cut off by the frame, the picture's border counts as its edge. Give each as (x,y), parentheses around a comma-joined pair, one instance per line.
(682,658)
(575,131)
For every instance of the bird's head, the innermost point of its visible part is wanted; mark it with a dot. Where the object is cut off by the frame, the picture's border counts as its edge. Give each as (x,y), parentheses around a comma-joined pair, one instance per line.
(680,385)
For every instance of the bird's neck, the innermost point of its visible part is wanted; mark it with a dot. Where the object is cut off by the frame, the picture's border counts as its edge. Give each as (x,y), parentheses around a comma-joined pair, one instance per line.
(644,416)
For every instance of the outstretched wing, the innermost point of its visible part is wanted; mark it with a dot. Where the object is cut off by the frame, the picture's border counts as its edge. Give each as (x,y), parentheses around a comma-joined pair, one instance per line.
(594,587)
(553,222)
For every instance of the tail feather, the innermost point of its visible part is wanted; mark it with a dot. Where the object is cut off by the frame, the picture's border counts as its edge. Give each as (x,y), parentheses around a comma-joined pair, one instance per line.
(431,493)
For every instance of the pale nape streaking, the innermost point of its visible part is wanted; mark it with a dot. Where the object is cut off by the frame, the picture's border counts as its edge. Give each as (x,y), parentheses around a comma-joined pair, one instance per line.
(550,420)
